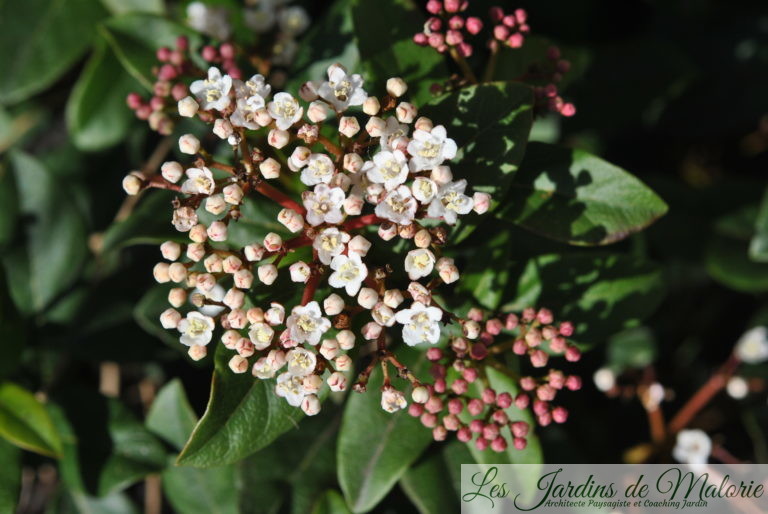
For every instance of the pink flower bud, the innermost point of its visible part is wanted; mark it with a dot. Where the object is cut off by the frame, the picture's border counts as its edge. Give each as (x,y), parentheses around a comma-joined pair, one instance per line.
(439,385)
(434,6)
(310,405)
(267,273)
(454,37)
(278,138)
(481,444)
(573,383)
(434,354)
(515,40)
(568,110)
(238,364)
(478,351)
(520,443)
(415,410)
(572,354)
(217,231)
(559,415)
(346,339)
(459,386)
(406,112)
(475,407)
(544,419)
(499,444)
(489,396)
(371,330)
(470,374)
(429,420)
(539,358)
(464,435)
(434,405)
(504,400)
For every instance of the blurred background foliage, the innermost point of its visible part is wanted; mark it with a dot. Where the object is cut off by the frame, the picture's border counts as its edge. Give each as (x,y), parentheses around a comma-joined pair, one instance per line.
(97,400)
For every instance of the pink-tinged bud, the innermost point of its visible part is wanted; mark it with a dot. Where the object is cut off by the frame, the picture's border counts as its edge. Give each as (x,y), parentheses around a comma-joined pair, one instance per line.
(521,15)
(177,272)
(436,40)
(406,112)
(387,231)
(197,352)
(559,414)
(367,298)
(573,383)
(452,5)
(310,405)
(449,274)
(439,385)
(464,435)
(489,396)
(170,319)
(420,39)
(475,314)
(308,91)
(500,32)
(161,272)
(516,40)
(451,422)
(496,14)
(529,314)
(346,339)
(267,273)
(189,144)
(238,364)
(217,231)
(459,386)
(372,106)
(471,329)
(199,234)
(544,316)
(134,101)
(237,319)
(474,25)
(456,23)
(195,251)
(520,347)
(273,242)
(465,49)
(494,326)
(500,417)
(563,66)
(519,428)
(509,20)
(481,444)
(255,315)
(170,250)
(312,383)
(470,374)
(522,401)
(343,363)
(539,358)
(349,126)
(415,409)
(475,407)
(291,219)
(179,91)
(299,272)
(540,407)
(455,406)
(429,420)
(233,194)
(333,305)
(546,393)
(478,351)
(528,383)
(504,400)
(520,443)
(317,112)
(143,112)
(177,297)
(286,341)
(544,419)
(245,348)
(371,331)
(566,329)
(499,444)
(476,426)
(434,354)
(490,431)
(558,344)
(329,349)
(188,107)
(454,37)
(434,6)
(276,359)
(434,405)
(556,379)
(420,394)
(572,354)
(278,138)
(568,110)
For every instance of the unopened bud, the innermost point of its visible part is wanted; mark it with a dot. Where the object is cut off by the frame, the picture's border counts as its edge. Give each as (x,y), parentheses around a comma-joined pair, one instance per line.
(371,106)
(349,126)
(267,273)
(133,182)
(189,144)
(396,87)
(270,168)
(188,107)
(406,112)
(172,171)
(238,364)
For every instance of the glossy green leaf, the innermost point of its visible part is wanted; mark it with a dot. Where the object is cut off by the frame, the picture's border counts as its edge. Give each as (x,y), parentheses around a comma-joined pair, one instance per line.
(237,404)
(40,40)
(25,422)
(575,197)
(54,236)
(758,247)
(97,116)
(632,348)
(10,476)
(192,490)
(385,41)
(487,273)
(600,294)
(727,255)
(145,225)
(331,503)
(375,448)
(147,314)
(128,6)
(171,416)
(80,503)
(135,37)
(425,485)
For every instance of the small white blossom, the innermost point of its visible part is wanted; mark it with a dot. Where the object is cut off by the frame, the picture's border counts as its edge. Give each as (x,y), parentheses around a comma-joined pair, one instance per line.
(394,136)
(199,181)
(450,202)
(285,110)
(692,447)
(300,362)
(290,387)
(196,329)
(419,263)
(392,400)
(752,347)
(329,243)
(342,90)
(262,369)
(299,271)
(213,92)
(349,273)
(420,324)
(604,379)
(320,169)
(293,20)
(737,388)
(261,335)
(188,107)
(388,168)
(307,324)
(399,206)
(424,189)
(324,204)
(430,149)
(213,21)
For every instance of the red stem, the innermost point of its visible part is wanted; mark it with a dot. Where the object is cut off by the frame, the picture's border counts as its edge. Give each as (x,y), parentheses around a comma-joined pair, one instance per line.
(362,221)
(310,288)
(280,197)
(159,182)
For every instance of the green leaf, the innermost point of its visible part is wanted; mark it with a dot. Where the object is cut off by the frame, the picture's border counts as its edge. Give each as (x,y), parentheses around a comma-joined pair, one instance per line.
(10,476)
(331,503)
(632,348)
(9,204)
(600,294)
(80,503)
(171,416)
(758,247)
(97,116)
(575,197)
(40,40)
(425,485)
(56,239)
(135,38)
(385,41)
(490,123)
(147,314)
(128,6)
(238,403)
(727,256)
(25,422)
(375,448)
(193,490)
(487,274)
(145,225)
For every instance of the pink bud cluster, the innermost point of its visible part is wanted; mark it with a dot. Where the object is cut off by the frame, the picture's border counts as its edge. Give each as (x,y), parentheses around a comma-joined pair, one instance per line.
(547,97)
(460,399)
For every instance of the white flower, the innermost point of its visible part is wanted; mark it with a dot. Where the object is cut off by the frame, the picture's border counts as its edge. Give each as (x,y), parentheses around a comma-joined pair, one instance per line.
(737,388)
(199,181)
(692,447)
(300,362)
(752,347)
(293,20)
(349,273)
(450,202)
(430,149)
(342,90)
(329,243)
(399,206)
(604,379)
(388,168)
(262,19)
(392,400)
(213,21)
(319,169)
(213,92)
(394,135)
(307,324)
(419,263)
(324,204)
(285,110)
(256,85)
(261,335)
(424,189)
(251,96)
(196,329)
(420,324)
(289,387)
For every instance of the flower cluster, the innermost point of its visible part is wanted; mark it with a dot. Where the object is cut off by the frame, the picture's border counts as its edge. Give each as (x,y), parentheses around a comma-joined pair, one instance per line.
(449,30)
(369,168)
(277,23)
